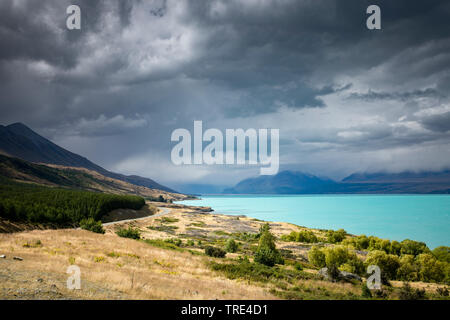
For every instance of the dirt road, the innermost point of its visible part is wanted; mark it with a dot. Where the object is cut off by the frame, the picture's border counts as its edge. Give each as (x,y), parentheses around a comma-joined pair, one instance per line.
(162,211)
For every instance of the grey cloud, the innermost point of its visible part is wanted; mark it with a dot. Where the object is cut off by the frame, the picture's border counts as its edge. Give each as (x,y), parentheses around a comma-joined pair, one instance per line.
(222,60)
(403,96)
(438,122)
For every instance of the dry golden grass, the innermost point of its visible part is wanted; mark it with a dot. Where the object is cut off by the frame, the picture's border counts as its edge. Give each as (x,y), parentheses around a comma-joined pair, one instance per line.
(131,268)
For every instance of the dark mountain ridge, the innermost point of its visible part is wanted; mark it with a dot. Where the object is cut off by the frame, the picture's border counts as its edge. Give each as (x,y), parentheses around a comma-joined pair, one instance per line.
(291,182)
(19,141)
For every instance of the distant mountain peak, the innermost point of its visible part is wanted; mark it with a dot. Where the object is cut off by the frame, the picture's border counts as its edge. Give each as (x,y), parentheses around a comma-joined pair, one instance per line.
(296,182)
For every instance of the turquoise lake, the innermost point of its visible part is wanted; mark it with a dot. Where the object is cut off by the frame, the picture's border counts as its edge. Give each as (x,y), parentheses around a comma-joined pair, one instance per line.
(397,217)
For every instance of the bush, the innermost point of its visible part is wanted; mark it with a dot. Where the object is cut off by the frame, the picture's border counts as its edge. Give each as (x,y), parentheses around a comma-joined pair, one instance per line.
(336,236)
(298,266)
(336,256)
(443,292)
(431,270)
(408,293)
(129,233)
(244,269)
(408,270)
(365,292)
(316,257)
(362,242)
(174,241)
(388,264)
(231,246)
(91,225)
(266,253)
(215,252)
(395,248)
(302,236)
(442,253)
(341,258)
(413,247)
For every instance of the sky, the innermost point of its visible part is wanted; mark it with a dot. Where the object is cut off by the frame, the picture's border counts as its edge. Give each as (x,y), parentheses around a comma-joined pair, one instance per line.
(345,99)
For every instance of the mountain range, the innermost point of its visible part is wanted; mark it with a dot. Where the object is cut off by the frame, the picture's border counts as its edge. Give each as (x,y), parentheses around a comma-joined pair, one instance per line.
(17,140)
(294,182)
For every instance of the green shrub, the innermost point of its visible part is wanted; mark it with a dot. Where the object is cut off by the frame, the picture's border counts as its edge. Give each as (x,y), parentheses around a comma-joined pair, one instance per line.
(129,233)
(413,247)
(442,253)
(408,293)
(316,257)
(175,241)
(442,292)
(231,246)
(431,270)
(215,252)
(301,236)
(336,256)
(408,270)
(336,236)
(395,248)
(388,264)
(266,253)
(169,220)
(264,228)
(298,266)
(341,258)
(163,244)
(91,225)
(244,269)
(365,292)
(359,243)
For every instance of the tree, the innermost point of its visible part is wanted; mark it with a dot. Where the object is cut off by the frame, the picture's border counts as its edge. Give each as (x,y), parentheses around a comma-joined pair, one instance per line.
(316,257)
(336,256)
(91,225)
(266,253)
(413,247)
(408,270)
(336,236)
(388,264)
(430,268)
(396,248)
(442,253)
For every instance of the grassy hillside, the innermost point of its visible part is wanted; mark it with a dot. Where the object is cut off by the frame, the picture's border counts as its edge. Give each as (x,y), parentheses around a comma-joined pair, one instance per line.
(33,203)
(78,178)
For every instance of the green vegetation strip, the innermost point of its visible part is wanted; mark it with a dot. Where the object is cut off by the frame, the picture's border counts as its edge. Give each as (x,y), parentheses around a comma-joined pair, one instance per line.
(32,203)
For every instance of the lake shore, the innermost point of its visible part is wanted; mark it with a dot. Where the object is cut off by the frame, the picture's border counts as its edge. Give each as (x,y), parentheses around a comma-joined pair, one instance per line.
(423,218)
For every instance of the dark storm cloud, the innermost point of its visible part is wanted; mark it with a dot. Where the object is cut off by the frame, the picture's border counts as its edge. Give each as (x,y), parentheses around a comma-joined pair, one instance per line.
(374,95)
(139,69)
(438,123)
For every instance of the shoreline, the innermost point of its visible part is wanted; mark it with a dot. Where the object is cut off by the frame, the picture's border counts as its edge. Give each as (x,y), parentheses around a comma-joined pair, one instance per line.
(336,227)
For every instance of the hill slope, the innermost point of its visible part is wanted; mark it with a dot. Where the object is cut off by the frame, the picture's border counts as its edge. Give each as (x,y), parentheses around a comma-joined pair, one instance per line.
(20,141)
(75,178)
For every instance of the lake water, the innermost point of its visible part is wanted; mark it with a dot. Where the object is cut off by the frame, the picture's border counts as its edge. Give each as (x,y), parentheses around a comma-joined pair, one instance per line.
(418,217)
